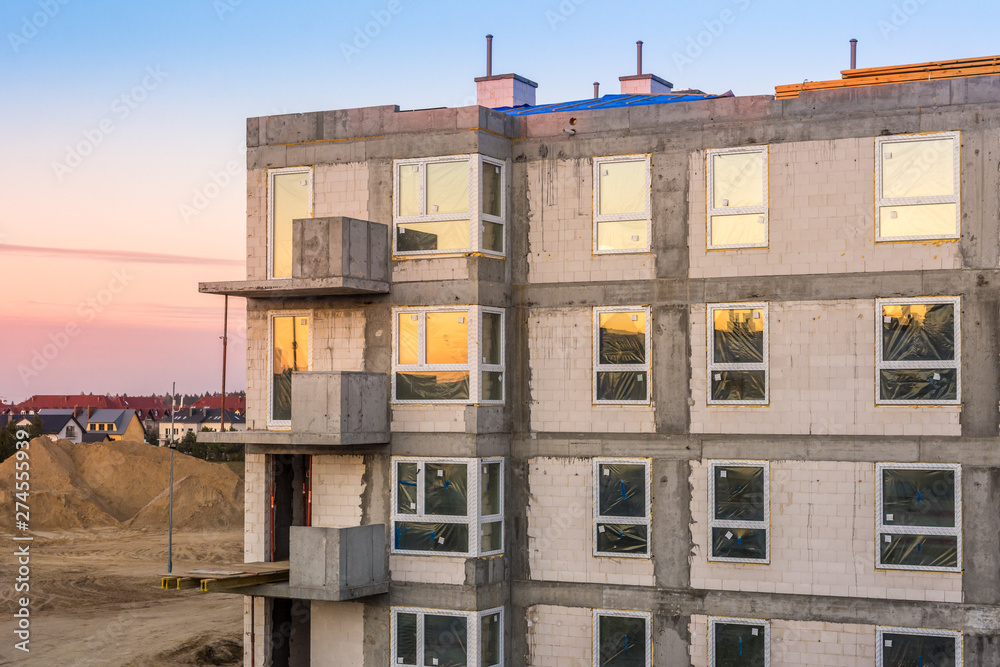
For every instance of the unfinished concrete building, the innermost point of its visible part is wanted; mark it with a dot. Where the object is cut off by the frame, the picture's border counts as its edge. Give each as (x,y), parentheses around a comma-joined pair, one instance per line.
(660,378)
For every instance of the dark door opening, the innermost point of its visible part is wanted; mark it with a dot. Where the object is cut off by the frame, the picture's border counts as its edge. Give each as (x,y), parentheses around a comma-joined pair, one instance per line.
(290,632)
(290,499)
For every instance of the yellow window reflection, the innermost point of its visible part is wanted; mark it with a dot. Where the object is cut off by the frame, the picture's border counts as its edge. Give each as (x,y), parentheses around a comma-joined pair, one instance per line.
(447,187)
(409,189)
(290,353)
(623,187)
(738,180)
(409,338)
(290,199)
(918,168)
(447,338)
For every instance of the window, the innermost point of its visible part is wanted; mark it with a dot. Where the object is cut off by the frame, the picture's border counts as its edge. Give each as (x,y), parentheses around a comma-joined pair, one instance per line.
(739,511)
(71,431)
(739,641)
(622,639)
(450,205)
(621,204)
(621,355)
(737,354)
(439,503)
(437,353)
(917,187)
(289,197)
(291,343)
(447,638)
(910,646)
(737,198)
(918,351)
(621,507)
(919,518)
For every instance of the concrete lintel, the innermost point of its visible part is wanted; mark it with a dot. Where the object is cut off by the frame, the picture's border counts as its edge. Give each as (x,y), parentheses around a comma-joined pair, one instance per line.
(295,287)
(284,590)
(293,438)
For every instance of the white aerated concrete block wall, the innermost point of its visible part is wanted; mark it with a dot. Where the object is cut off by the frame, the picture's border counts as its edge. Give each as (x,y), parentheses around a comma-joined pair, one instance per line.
(427,569)
(337,486)
(431,269)
(337,634)
(255,625)
(560,348)
(560,528)
(821,218)
(798,643)
(561,228)
(822,539)
(560,636)
(428,419)
(254,502)
(822,377)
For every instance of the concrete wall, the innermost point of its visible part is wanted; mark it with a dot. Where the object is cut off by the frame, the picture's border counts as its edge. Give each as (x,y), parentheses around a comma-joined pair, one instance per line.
(337,489)
(427,569)
(560,528)
(822,376)
(560,204)
(337,634)
(821,215)
(560,364)
(822,539)
(559,636)
(254,516)
(797,643)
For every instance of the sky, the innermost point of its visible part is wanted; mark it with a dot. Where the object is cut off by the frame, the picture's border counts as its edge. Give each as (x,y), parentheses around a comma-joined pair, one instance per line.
(123,128)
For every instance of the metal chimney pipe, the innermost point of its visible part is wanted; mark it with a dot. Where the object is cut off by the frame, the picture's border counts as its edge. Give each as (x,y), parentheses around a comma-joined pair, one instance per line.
(854,54)
(489,55)
(638,57)
(597,89)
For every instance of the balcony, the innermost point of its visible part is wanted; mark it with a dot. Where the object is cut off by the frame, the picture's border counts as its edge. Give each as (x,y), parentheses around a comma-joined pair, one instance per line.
(330,256)
(328,408)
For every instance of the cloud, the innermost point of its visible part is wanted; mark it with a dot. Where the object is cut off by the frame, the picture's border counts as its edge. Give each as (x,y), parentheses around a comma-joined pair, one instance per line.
(116,255)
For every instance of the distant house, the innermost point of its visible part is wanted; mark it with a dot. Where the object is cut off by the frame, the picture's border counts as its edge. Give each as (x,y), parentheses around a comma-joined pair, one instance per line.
(237,404)
(55,426)
(150,409)
(194,420)
(65,401)
(116,424)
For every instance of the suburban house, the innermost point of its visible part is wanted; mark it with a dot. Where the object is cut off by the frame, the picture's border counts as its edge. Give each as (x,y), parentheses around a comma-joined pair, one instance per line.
(114,424)
(650,378)
(236,404)
(62,426)
(195,420)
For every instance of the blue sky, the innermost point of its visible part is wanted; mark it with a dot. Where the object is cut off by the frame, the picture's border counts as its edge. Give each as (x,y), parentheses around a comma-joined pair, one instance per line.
(156,95)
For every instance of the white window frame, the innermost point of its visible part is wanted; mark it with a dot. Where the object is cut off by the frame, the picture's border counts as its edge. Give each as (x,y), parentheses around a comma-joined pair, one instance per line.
(282,424)
(271,173)
(474,213)
(473,518)
(714,367)
(473,620)
(647,215)
(881,363)
(474,367)
(764,525)
(881,527)
(882,630)
(635,521)
(915,201)
(715,620)
(761,210)
(596,631)
(605,368)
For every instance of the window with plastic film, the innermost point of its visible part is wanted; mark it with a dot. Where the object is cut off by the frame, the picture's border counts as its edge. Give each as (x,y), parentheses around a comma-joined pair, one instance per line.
(290,336)
(289,197)
(621,355)
(904,647)
(739,642)
(445,638)
(917,184)
(737,197)
(447,506)
(448,355)
(918,351)
(919,521)
(739,507)
(449,205)
(622,218)
(621,507)
(737,354)
(622,639)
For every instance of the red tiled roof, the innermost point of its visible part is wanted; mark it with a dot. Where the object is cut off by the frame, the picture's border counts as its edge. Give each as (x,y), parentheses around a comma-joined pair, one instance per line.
(233,403)
(154,406)
(61,401)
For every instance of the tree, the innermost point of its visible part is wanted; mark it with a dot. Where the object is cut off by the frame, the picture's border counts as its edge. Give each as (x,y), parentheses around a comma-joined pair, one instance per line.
(9,439)
(153,436)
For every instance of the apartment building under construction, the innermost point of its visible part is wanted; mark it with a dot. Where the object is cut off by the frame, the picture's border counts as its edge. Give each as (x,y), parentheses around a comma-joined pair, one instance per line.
(655,378)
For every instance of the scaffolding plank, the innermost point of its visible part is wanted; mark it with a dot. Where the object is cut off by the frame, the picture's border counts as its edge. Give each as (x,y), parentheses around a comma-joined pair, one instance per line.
(187,582)
(238,581)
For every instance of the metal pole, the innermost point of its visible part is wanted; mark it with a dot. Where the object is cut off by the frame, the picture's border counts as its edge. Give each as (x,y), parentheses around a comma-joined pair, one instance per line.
(225,340)
(854,54)
(489,55)
(170,506)
(597,89)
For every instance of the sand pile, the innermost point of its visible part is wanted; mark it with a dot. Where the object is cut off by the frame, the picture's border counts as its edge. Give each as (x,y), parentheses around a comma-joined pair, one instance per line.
(122,484)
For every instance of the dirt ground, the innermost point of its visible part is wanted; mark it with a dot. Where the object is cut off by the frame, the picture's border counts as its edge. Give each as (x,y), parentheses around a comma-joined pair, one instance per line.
(96,600)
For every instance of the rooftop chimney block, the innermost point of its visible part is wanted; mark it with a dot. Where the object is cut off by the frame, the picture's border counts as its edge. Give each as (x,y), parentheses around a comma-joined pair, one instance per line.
(643,84)
(503,90)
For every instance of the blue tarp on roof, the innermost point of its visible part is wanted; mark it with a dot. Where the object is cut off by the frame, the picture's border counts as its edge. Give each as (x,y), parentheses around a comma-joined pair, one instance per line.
(608,102)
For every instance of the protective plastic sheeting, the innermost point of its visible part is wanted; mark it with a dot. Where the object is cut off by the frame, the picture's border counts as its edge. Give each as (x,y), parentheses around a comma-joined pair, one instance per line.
(739,229)
(489,486)
(622,386)
(924,168)
(406,639)
(491,338)
(621,641)
(622,538)
(918,332)
(918,220)
(409,190)
(622,235)
(746,543)
(919,550)
(739,385)
(739,493)
(918,497)
(918,384)
(739,645)
(445,489)
(622,490)
(447,187)
(432,386)
(406,487)
(622,338)
(492,537)
(446,641)
(908,650)
(738,180)
(624,187)
(443,235)
(290,199)
(739,336)
(426,536)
